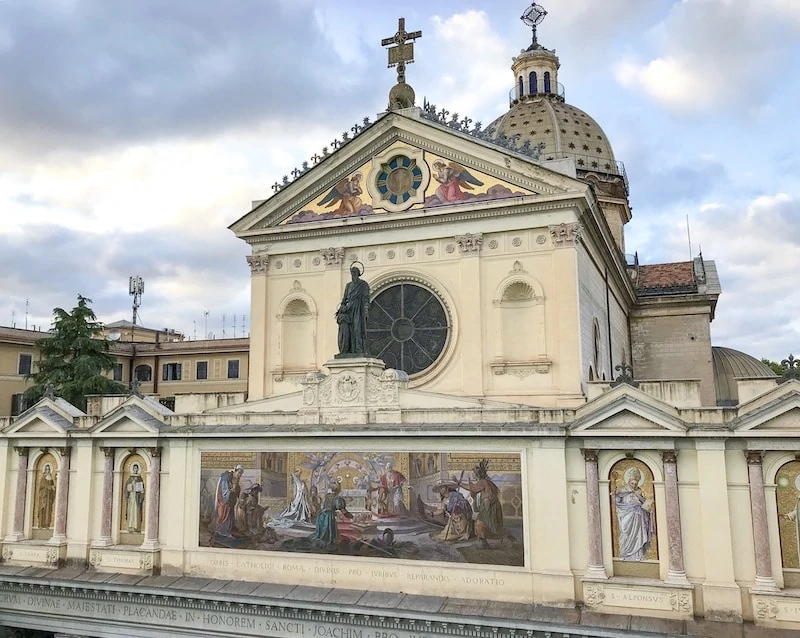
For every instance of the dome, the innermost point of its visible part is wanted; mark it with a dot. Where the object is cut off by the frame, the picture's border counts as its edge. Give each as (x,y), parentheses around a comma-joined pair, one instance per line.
(540,120)
(559,129)
(730,365)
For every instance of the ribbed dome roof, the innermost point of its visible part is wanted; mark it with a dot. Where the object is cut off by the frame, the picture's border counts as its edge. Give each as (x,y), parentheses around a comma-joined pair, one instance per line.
(563,129)
(730,365)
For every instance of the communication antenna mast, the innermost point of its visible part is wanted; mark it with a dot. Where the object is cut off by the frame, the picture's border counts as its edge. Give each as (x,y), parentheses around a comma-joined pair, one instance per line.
(534,15)
(27,301)
(224,336)
(205,323)
(136,290)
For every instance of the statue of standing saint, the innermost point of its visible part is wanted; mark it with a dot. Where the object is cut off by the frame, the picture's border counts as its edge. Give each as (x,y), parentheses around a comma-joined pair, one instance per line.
(352,316)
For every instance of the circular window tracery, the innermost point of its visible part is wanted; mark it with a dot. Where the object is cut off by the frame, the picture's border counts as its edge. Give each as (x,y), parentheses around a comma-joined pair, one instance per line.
(408,327)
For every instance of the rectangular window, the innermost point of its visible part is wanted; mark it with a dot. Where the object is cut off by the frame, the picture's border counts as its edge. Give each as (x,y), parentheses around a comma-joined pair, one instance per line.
(117,372)
(24,366)
(202,370)
(171,372)
(17,404)
(233,368)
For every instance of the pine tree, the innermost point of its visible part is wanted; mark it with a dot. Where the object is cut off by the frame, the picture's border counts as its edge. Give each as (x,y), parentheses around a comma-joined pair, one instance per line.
(74,358)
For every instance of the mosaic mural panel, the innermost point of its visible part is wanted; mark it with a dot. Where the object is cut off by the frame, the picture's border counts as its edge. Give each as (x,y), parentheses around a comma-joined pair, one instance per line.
(633,512)
(444,183)
(435,506)
(788,495)
(45,492)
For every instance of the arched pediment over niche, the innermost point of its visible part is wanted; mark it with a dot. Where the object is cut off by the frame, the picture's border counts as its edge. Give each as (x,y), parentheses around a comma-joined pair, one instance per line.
(520,316)
(297,331)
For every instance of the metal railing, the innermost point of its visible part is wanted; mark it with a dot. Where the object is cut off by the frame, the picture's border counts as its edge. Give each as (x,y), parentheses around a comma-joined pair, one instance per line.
(513,94)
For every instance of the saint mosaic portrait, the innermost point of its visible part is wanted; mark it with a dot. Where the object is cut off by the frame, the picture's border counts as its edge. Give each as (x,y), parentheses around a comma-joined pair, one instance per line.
(433,506)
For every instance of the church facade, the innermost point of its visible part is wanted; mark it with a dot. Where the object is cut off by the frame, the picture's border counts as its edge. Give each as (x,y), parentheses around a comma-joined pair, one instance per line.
(538,435)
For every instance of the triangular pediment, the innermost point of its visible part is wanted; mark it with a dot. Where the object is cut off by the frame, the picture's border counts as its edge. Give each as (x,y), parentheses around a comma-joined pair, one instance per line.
(627,410)
(46,417)
(404,163)
(136,416)
(775,411)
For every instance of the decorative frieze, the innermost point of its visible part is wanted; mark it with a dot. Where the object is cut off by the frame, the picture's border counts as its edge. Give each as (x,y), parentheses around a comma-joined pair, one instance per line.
(259,263)
(566,234)
(332,256)
(469,244)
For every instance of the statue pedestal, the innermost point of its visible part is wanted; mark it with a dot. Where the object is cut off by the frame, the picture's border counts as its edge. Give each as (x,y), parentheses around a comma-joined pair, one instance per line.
(358,391)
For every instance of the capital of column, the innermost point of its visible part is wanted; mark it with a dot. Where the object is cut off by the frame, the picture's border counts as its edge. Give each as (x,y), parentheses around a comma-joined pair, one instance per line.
(590,456)
(155,452)
(22,451)
(64,451)
(669,457)
(108,451)
(754,457)
(259,263)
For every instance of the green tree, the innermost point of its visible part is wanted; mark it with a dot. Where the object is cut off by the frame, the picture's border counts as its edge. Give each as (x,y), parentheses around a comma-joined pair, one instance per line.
(777,368)
(74,358)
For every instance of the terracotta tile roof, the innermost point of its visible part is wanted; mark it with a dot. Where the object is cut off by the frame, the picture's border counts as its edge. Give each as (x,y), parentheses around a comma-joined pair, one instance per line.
(664,279)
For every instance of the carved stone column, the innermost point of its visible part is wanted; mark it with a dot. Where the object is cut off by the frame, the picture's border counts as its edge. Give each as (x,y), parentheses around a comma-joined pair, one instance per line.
(758,507)
(62,497)
(106,513)
(596,568)
(153,500)
(676,572)
(18,531)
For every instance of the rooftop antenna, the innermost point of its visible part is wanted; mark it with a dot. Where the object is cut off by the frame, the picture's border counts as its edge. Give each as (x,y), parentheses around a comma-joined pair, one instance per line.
(689,236)
(205,322)
(26,313)
(136,290)
(223,327)
(13,317)
(234,326)
(534,15)
(194,329)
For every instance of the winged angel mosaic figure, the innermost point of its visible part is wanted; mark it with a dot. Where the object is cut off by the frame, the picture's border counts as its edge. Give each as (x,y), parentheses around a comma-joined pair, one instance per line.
(452,179)
(347,194)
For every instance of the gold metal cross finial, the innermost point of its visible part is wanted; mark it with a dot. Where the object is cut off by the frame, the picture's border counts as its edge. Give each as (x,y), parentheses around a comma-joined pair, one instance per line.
(403,51)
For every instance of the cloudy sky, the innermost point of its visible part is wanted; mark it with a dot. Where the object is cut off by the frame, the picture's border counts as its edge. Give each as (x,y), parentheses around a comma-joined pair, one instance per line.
(133,133)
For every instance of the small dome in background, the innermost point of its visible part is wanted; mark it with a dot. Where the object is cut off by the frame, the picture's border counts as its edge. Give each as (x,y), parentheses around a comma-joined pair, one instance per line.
(730,365)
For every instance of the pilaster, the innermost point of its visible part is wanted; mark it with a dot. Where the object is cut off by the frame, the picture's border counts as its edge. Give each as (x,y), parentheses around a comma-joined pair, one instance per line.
(259,336)
(554,583)
(596,569)
(470,323)
(765,582)
(18,526)
(151,537)
(676,571)
(722,598)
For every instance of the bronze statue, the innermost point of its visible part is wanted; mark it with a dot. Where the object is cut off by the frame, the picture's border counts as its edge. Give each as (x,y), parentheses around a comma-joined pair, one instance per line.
(352,316)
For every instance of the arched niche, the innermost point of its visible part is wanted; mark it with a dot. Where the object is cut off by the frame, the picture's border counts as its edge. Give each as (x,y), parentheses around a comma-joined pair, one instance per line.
(297,332)
(519,312)
(633,503)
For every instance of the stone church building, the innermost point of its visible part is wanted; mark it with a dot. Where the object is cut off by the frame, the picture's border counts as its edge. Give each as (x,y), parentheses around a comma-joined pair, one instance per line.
(539,439)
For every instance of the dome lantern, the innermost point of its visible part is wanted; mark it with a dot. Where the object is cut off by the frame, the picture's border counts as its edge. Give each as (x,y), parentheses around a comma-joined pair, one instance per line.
(535,68)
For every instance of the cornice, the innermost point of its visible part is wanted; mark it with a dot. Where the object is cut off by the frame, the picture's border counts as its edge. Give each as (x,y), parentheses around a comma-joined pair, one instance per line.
(417,217)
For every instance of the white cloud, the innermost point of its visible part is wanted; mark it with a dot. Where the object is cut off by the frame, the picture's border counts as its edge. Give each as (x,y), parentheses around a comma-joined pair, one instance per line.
(475,86)
(712,52)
